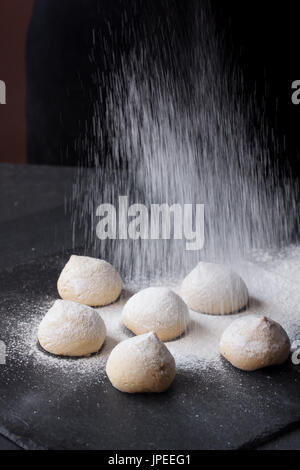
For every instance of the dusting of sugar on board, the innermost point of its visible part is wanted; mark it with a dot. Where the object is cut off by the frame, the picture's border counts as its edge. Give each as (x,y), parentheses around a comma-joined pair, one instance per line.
(270,295)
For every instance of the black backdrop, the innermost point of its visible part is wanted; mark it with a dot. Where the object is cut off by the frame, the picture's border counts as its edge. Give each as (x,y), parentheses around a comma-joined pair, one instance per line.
(261,35)
(265,38)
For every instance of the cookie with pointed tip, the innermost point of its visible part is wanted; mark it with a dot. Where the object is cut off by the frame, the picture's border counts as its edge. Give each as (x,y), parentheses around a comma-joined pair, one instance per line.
(89,281)
(141,364)
(71,329)
(156,309)
(251,343)
(215,289)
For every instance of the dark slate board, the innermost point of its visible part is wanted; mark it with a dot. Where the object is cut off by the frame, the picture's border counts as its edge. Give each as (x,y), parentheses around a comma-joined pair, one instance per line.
(212,409)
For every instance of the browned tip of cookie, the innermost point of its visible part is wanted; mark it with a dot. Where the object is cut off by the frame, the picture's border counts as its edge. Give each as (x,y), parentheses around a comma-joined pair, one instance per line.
(264,320)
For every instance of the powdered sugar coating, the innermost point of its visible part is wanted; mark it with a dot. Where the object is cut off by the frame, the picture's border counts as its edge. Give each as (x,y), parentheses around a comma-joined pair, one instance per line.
(156,309)
(141,364)
(89,281)
(215,289)
(254,342)
(271,295)
(71,329)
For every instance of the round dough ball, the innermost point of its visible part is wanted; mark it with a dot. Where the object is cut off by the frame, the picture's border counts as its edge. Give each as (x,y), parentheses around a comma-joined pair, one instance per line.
(251,343)
(156,309)
(71,329)
(141,364)
(215,289)
(89,281)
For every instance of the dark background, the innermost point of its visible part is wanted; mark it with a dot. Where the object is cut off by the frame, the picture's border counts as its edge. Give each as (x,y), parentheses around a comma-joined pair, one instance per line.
(262,37)
(60,91)
(14,18)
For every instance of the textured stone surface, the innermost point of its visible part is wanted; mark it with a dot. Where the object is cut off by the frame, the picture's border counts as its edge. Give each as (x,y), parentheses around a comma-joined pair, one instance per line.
(210,409)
